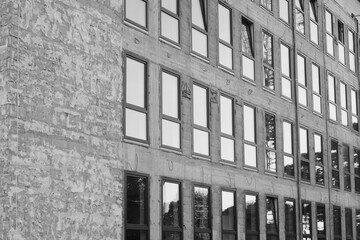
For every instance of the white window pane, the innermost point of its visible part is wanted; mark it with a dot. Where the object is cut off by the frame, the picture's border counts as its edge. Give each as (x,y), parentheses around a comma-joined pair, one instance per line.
(284,10)
(200,106)
(343,100)
(226,115)
(227,149)
(170,98)
(317,103)
(197,14)
(169,27)
(351,41)
(352,61)
(285,60)
(135,83)
(170,5)
(201,142)
(250,155)
(135,123)
(248,68)
(354,103)
(330,44)
(304,142)
(227,200)
(302,96)
(287,137)
(328,17)
(344,118)
(314,33)
(332,111)
(315,78)
(249,124)
(136,11)
(199,42)
(289,165)
(224,24)
(170,133)
(341,53)
(286,87)
(301,70)
(331,82)
(225,56)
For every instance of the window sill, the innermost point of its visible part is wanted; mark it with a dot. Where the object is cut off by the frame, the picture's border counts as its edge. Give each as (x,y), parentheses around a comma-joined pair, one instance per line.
(286,99)
(195,156)
(226,70)
(129,24)
(252,82)
(317,114)
(130,141)
(274,174)
(288,177)
(171,150)
(303,107)
(200,57)
(250,168)
(228,163)
(272,92)
(163,40)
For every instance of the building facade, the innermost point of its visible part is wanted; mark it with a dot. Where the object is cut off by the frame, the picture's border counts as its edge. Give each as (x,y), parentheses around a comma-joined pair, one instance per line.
(173,119)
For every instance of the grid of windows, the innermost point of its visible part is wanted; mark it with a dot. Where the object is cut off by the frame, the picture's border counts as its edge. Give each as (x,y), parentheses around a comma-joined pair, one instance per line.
(337,222)
(354,110)
(251,217)
(136,12)
(316,88)
(332,97)
(247,48)
(136,112)
(329,33)
(346,167)
(290,220)
(199,32)
(306,220)
(225,36)
(227,139)
(250,156)
(268,63)
(270,143)
(356,156)
(286,82)
(201,130)
(228,215)
(314,22)
(302,81)
(272,224)
(344,104)
(288,149)
(304,154)
(319,159)
(299,16)
(170,20)
(320,221)
(335,173)
(202,213)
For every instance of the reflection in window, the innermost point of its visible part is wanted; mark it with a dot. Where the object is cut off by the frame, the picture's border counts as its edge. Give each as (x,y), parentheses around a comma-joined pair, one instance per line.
(346,167)
(320,221)
(329,33)
(272,218)
(284,10)
(251,217)
(286,83)
(335,164)
(354,110)
(249,136)
(343,104)
(136,12)
(316,86)
(319,159)
(268,61)
(357,169)
(171,210)
(202,216)
(228,215)
(267,4)
(352,60)
(170,20)
(341,42)
(290,220)
(337,222)
(199,35)
(225,37)
(299,15)
(314,32)
(136,99)
(304,154)
(332,97)
(201,140)
(348,224)
(137,207)
(269,80)
(227,129)
(306,220)
(247,44)
(288,149)
(357,223)
(270,143)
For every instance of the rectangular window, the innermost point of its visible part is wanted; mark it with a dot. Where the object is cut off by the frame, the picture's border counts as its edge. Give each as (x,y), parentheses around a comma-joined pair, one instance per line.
(337,222)
(268,64)
(227,139)
(270,143)
(136,12)
(299,15)
(341,42)
(304,154)
(225,37)
(332,97)
(344,104)
(171,210)
(352,59)
(137,207)
(199,35)
(348,223)
(284,10)
(335,164)
(136,112)
(286,82)
(354,110)
(329,33)
(288,149)
(249,122)
(251,217)
(319,159)
(302,81)
(346,167)
(202,214)
(228,215)
(290,220)
(357,169)
(170,123)
(357,223)
(320,221)
(306,220)
(314,23)
(247,48)
(267,4)
(316,88)
(201,131)
(170,20)
(272,221)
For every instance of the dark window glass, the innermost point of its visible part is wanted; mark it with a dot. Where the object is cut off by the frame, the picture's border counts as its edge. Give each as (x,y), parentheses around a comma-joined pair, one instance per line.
(246,37)
(335,164)
(305,170)
(228,214)
(357,161)
(270,142)
(202,219)
(341,32)
(348,224)
(357,223)
(171,204)
(252,223)
(271,218)
(337,222)
(290,220)
(319,167)
(321,221)
(171,236)
(136,235)
(306,219)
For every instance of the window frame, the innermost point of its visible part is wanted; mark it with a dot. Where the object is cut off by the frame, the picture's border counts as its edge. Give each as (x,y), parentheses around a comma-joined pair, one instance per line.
(300,10)
(330,34)
(223,231)
(301,85)
(248,142)
(285,77)
(316,94)
(132,107)
(271,235)
(354,109)
(287,22)
(341,41)
(269,149)
(349,236)
(334,169)
(200,230)
(249,26)
(356,162)
(303,159)
(264,5)
(290,235)
(344,107)
(320,236)
(225,135)
(173,15)
(352,51)
(286,154)
(310,220)
(335,101)
(337,237)
(314,4)
(248,232)
(346,170)
(135,24)
(265,64)
(223,42)
(318,164)
(202,31)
